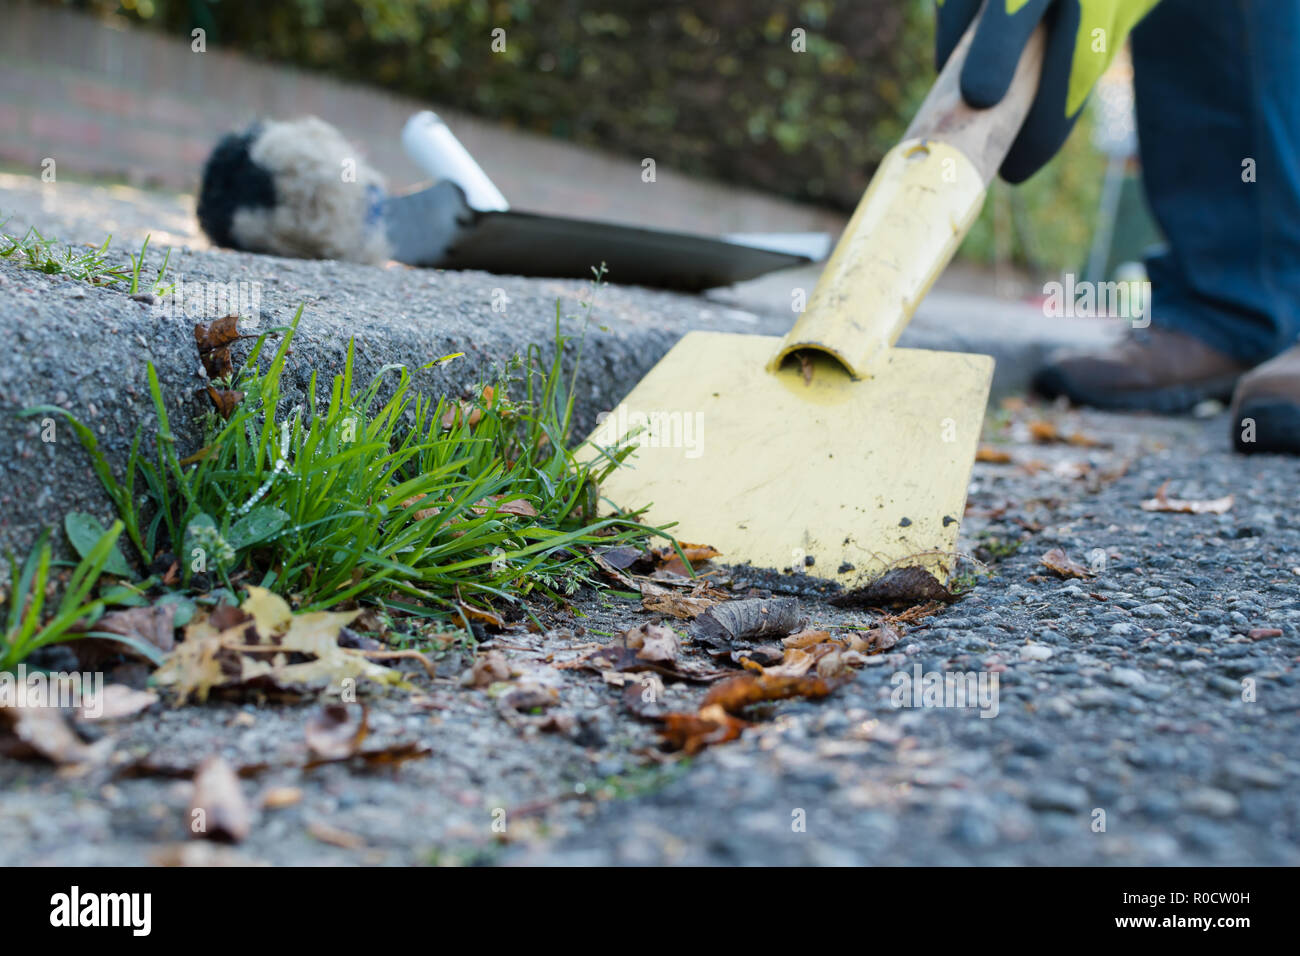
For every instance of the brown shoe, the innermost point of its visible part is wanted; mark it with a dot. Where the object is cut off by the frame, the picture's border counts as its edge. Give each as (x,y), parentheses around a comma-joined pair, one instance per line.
(1266,408)
(1154,371)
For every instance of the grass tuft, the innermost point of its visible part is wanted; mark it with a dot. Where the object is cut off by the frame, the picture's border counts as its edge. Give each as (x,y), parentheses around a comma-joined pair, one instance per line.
(33,251)
(417,503)
(28,586)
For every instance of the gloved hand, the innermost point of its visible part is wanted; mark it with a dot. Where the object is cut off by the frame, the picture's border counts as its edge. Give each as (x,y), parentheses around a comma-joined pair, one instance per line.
(1077,55)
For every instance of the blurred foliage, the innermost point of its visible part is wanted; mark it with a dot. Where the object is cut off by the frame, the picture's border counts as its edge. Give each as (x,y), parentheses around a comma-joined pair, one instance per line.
(714,88)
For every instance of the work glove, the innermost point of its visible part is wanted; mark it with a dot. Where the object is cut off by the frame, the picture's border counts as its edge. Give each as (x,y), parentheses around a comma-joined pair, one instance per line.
(1083,38)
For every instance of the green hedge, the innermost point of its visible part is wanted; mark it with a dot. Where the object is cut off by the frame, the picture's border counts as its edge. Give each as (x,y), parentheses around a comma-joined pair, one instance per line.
(712,87)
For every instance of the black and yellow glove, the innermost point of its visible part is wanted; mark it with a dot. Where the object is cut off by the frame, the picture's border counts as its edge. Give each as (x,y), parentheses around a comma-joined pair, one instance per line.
(1083,38)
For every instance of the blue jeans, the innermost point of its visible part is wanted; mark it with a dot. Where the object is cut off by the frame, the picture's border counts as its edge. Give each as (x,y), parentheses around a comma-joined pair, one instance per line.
(1218,85)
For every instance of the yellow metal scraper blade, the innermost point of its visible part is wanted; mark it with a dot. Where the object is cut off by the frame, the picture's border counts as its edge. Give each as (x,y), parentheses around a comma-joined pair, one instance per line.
(803,464)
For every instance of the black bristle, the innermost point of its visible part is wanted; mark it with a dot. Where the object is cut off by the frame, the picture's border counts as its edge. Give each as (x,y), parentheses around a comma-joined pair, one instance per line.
(232,181)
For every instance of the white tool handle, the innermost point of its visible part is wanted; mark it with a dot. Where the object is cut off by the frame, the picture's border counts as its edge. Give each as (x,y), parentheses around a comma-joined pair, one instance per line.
(434,148)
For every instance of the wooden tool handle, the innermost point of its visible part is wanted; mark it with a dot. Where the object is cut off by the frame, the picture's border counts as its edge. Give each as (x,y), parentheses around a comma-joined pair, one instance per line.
(984,136)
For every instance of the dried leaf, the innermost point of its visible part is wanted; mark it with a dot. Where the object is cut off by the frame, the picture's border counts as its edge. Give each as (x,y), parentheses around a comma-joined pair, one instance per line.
(1062,564)
(515,506)
(482,616)
(145,632)
(876,641)
(277,798)
(750,688)
(200,854)
(39,731)
(905,587)
(263,645)
(1046,433)
(673,603)
(271,613)
(619,659)
(217,333)
(807,638)
(225,400)
(994,456)
(623,558)
(695,553)
(653,642)
(691,733)
(643,695)
(724,624)
(327,833)
(489,668)
(218,809)
(1161,502)
(335,731)
(115,702)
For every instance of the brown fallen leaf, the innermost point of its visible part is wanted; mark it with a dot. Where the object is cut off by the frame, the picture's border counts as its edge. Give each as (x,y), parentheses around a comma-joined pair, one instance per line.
(643,694)
(277,798)
(623,558)
(335,731)
(807,638)
(748,620)
(750,688)
(218,809)
(487,669)
(213,340)
(1161,502)
(994,456)
(265,646)
(115,702)
(513,506)
(669,560)
(470,412)
(217,333)
(1057,561)
(389,755)
(225,400)
(1046,433)
(528,696)
(653,642)
(151,625)
(827,659)
(691,733)
(328,833)
(36,731)
(482,616)
(684,607)
(755,656)
(906,587)
(1071,470)
(200,854)
(875,641)
(617,659)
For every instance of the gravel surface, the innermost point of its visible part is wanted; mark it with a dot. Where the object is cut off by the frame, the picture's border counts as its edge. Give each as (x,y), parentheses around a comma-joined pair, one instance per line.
(1155,692)
(1146,714)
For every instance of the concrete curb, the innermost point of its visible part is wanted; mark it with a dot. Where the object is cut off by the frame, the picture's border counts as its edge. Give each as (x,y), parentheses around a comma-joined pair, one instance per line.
(86,349)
